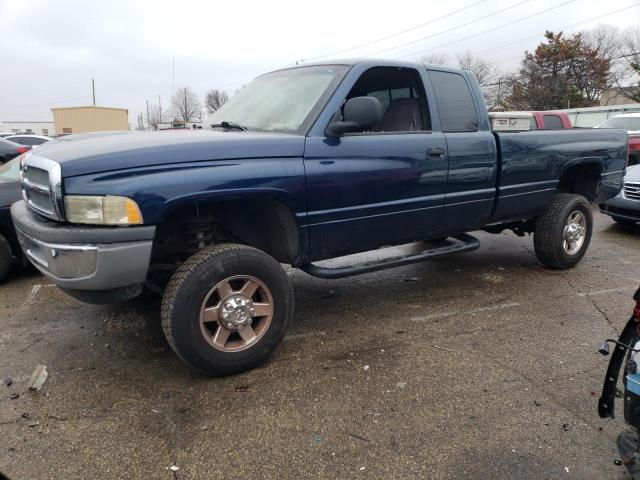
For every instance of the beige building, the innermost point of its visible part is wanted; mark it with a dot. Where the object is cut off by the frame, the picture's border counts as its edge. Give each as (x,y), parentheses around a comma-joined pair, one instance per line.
(38,127)
(89,119)
(616,96)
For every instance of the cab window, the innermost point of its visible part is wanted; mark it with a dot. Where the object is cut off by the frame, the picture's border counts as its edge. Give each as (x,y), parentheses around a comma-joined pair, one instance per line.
(401,94)
(552,122)
(455,103)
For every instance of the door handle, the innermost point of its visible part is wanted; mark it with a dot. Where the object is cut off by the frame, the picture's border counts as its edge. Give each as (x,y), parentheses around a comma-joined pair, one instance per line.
(436,153)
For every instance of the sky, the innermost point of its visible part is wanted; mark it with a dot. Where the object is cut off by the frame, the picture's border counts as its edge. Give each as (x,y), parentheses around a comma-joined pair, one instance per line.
(50,51)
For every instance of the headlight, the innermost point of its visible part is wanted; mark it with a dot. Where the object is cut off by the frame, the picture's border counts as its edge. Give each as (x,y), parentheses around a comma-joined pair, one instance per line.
(101,210)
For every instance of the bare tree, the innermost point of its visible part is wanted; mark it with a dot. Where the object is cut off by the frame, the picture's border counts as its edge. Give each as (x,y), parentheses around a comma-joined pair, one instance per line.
(214,99)
(487,74)
(606,41)
(155,116)
(485,71)
(185,105)
(630,56)
(435,59)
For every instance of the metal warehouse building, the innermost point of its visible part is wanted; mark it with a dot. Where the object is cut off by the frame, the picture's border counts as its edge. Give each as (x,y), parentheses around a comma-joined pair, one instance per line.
(89,119)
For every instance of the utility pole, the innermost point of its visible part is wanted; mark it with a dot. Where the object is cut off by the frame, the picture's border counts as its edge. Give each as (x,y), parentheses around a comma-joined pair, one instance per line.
(93,90)
(186,110)
(148,125)
(159,109)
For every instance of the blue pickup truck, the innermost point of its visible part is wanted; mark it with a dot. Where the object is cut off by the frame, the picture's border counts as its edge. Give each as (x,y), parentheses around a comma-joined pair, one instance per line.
(303,164)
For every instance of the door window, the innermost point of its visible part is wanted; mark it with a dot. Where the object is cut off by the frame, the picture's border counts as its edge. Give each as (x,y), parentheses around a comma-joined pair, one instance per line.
(400,92)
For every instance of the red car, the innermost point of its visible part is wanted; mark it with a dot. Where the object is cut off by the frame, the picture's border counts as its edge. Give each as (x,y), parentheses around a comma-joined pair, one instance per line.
(549,120)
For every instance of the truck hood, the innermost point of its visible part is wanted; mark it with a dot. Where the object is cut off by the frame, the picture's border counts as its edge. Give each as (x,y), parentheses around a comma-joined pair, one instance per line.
(633,174)
(142,149)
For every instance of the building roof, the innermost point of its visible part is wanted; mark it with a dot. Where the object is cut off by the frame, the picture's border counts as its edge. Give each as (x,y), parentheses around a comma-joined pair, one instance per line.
(91,106)
(27,121)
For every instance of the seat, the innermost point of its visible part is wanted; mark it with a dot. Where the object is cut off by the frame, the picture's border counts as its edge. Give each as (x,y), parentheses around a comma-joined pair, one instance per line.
(402,115)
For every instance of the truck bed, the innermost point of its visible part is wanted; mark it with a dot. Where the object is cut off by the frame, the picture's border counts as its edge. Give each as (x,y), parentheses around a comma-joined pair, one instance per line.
(532,162)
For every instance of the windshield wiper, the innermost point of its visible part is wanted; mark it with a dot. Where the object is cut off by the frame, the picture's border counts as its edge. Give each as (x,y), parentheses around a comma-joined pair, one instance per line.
(228,125)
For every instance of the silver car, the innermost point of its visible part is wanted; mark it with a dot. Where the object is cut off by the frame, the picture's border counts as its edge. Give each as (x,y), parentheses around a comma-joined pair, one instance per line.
(625,207)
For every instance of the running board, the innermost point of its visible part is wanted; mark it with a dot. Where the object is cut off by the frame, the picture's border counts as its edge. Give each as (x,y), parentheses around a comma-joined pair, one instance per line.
(468,243)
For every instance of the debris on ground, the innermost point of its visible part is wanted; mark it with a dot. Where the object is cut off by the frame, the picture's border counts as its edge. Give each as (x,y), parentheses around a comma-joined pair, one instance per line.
(30,345)
(25,415)
(7,381)
(359,437)
(38,377)
(14,396)
(537,403)
(366,367)
(174,468)
(445,349)
(401,384)
(33,424)
(243,389)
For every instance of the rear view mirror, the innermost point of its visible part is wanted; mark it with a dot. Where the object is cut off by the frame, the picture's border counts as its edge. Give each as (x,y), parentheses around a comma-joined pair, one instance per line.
(359,113)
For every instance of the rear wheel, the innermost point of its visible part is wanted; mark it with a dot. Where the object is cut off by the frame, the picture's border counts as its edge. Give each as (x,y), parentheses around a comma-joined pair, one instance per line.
(225,310)
(563,231)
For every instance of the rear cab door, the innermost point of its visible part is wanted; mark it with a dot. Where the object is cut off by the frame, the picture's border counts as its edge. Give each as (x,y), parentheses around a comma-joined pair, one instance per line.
(471,150)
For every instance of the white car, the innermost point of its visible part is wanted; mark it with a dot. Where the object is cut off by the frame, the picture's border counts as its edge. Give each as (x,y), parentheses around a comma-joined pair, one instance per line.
(625,207)
(28,140)
(626,121)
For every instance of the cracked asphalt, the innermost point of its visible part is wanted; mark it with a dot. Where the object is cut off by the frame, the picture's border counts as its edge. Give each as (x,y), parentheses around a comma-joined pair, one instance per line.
(481,365)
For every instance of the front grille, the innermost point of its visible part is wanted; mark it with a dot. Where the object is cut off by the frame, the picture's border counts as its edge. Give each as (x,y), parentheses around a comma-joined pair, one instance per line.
(37,176)
(42,186)
(632,190)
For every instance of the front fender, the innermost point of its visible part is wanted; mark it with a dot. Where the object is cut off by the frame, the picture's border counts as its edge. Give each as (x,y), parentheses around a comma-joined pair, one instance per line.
(163,189)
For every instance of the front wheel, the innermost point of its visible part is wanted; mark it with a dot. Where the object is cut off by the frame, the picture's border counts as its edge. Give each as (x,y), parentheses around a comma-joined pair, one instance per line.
(225,309)
(563,231)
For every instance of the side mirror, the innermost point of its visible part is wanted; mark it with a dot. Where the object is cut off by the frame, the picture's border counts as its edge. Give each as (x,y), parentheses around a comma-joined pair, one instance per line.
(360,113)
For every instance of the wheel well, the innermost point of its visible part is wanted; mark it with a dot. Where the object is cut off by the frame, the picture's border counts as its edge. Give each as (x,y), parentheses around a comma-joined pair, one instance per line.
(265,224)
(582,180)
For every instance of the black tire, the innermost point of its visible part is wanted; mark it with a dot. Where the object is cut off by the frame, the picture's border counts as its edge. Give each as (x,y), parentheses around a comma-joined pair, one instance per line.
(190,285)
(549,229)
(623,221)
(6,257)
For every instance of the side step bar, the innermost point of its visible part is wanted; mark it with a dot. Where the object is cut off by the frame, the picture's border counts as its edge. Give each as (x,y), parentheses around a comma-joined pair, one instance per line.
(468,243)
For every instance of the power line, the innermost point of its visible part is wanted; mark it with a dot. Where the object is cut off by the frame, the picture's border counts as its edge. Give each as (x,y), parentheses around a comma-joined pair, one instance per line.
(487,31)
(45,103)
(476,20)
(366,44)
(524,40)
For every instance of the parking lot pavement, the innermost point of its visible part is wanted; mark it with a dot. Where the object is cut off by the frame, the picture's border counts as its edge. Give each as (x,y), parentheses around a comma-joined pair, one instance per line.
(481,365)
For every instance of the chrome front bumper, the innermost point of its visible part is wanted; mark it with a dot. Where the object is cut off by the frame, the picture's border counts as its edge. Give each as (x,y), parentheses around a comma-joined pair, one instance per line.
(622,206)
(89,267)
(86,259)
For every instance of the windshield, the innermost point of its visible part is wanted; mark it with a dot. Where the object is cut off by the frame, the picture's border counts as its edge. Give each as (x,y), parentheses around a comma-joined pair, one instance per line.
(279,101)
(10,171)
(626,123)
